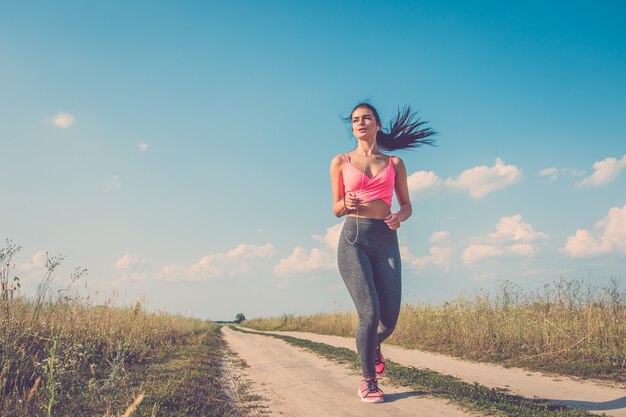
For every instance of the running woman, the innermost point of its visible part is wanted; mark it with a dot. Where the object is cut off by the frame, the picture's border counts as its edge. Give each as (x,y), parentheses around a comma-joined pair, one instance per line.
(363,182)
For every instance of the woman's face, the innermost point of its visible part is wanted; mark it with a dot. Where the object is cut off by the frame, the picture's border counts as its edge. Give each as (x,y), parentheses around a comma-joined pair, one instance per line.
(364,125)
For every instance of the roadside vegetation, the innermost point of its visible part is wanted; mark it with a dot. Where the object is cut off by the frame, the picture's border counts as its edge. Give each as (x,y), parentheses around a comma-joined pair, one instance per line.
(569,327)
(60,356)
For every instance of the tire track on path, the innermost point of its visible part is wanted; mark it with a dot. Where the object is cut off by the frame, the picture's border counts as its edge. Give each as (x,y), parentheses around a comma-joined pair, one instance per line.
(298,383)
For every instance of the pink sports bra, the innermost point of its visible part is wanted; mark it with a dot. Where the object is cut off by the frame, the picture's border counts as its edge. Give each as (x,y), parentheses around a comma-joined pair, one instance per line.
(378,187)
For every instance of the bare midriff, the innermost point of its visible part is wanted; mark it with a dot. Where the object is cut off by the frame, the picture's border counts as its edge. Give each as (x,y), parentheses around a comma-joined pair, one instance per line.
(376,209)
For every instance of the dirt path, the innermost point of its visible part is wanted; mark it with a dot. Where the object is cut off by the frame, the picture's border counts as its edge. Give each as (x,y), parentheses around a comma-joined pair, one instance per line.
(588,395)
(297,383)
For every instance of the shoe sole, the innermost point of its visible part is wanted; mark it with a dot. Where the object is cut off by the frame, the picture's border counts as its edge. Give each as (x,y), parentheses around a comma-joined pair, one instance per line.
(372,400)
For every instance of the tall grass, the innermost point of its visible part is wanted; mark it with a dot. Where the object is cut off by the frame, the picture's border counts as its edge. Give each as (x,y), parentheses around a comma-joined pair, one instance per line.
(59,356)
(568,326)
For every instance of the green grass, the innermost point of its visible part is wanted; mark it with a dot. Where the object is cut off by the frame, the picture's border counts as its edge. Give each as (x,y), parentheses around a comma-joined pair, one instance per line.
(569,327)
(186,381)
(473,396)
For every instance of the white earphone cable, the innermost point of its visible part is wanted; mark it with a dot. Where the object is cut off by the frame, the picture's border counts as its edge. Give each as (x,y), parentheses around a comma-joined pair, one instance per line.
(356,237)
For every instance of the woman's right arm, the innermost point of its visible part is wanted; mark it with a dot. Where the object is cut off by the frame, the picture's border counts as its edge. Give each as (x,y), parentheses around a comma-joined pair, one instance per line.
(336,181)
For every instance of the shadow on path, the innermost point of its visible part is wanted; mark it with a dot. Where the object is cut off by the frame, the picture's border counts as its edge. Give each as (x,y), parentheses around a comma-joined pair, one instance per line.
(389,398)
(615,404)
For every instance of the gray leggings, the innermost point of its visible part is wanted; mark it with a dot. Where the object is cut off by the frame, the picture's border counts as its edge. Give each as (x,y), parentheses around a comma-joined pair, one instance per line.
(370,269)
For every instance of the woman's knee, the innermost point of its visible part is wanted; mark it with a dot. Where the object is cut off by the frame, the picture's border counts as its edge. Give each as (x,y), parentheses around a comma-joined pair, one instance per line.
(384,331)
(369,318)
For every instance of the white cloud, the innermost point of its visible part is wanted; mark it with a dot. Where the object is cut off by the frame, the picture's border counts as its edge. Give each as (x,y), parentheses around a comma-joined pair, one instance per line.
(332,236)
(511,229)
(610,237)
(31,272)
(512,237)
(475,253)
(215,265)
(62,120)
(38,261)
(440,254)
(551,173)
(304,261)
(142,146)
(128,262)
(113,183)
(482,180)
(323,257)
(438,237)
(421,182)
(477,182)
(605,171)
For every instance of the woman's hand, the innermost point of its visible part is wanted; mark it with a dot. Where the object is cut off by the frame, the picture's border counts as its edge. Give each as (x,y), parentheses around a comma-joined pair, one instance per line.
(351,201)
(393,221)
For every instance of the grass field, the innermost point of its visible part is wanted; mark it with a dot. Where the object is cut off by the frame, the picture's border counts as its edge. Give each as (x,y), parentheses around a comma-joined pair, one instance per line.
(569,327)
(61,357)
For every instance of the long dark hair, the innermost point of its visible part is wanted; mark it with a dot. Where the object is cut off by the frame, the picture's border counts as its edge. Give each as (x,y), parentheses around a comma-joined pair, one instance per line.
(405,131)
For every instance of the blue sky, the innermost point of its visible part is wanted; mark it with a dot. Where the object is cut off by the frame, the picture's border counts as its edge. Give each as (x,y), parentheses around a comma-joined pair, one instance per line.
(180,151)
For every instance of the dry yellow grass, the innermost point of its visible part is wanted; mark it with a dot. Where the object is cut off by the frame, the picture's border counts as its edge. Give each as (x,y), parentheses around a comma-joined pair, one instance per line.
(60,356)
(68,348)
(131,408)
(567,326)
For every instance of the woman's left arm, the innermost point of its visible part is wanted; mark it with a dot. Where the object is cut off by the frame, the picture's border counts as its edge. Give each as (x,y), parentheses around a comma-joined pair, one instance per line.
(402,195)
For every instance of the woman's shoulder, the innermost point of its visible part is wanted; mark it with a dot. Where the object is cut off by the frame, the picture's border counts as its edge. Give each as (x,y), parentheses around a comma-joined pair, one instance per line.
(395,160)
(338,160)
(397,163)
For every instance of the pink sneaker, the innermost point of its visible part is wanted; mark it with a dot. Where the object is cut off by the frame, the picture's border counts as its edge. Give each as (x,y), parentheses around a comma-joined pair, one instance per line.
(369,391)
(379,365)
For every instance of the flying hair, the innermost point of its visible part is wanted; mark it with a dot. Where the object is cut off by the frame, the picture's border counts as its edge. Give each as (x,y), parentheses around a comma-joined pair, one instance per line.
(405,131)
